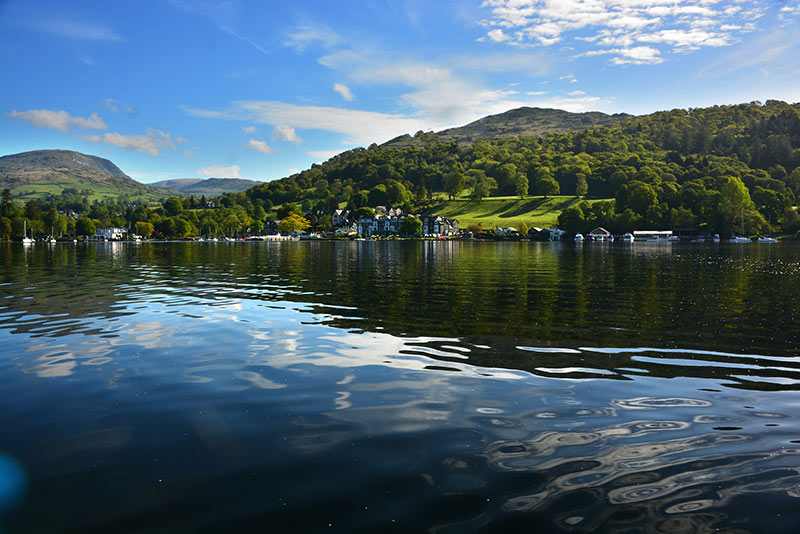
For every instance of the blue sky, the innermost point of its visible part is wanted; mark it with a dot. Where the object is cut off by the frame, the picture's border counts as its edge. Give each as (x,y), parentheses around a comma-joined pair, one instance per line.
(179,88)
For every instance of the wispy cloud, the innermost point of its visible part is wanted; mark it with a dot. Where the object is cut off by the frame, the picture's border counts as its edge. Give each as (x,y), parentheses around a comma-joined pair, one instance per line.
(72,29)
(111,105)
(152,142)
(443,93)
(357,127)
(220,171)
(259,146)
(619,28)
(249,129)
(773,54)
(284,132)
(222,14)
(60,120)
(344,91)
(303,36)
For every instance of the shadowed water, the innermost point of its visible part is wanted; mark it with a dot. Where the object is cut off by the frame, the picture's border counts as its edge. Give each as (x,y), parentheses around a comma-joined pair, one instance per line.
(399,386)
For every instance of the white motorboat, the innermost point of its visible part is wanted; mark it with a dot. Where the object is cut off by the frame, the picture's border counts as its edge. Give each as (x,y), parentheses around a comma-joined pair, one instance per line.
(739,239)
(766,239)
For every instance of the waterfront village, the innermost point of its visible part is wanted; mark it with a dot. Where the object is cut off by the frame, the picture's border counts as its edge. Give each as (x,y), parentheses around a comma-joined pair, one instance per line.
(389,224)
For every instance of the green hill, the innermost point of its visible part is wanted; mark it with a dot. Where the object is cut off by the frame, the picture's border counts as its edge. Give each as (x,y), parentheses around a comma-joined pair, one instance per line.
(40,173)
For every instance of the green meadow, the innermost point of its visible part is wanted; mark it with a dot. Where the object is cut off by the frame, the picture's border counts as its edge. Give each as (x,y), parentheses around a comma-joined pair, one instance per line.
(492,212)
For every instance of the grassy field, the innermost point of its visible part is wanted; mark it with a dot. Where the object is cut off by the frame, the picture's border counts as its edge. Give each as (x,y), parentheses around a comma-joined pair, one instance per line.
(98,191)
(505,211)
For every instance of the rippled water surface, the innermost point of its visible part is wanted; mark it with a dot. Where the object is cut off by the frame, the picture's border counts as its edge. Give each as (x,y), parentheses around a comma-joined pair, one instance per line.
(399,387)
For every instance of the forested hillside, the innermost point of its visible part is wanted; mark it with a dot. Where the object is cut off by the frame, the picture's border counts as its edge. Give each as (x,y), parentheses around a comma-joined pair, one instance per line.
(681,168)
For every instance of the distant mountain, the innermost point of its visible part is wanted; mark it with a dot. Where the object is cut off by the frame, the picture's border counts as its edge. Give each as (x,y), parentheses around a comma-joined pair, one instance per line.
(521,122)
(40,173)
(177,184)
(210,187)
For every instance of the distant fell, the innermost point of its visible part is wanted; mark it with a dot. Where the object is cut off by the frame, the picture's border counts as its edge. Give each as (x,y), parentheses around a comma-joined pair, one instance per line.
(32,165)
(177,184)
(208,187)
(520,122)
(39,173)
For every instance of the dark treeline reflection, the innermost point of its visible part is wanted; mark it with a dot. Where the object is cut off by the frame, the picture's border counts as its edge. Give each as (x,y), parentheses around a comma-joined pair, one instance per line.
(551,309)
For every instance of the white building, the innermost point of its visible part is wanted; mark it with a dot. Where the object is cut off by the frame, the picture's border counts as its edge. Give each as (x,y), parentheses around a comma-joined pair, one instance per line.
(379,225)
(109,234)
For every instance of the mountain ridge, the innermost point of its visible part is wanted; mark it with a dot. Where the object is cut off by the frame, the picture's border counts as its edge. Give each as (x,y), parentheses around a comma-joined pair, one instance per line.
(519,122)
(39,173)
(208,186)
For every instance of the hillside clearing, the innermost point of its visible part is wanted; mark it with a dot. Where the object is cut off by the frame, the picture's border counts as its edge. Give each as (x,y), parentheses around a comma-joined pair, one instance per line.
(506,211)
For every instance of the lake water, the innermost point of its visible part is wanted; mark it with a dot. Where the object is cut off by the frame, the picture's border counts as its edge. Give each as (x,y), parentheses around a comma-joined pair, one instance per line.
(399,387)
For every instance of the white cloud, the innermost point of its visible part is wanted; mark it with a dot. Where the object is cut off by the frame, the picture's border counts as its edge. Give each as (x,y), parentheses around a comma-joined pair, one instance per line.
(344,91)
(497,35)
(638,55)
(60,120)
(576,93)
(249,129)
(152,142)
(683,25)
(284,132)
(569,77)
(357,127)
(323,155)
(301,37)
(259,146)
(536,93)
(693,38)
(577,104)
(790,10)
(219,171)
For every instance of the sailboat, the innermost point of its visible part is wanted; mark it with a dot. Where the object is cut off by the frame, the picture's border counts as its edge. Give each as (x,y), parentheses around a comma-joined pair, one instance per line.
(25,239)
(739,239)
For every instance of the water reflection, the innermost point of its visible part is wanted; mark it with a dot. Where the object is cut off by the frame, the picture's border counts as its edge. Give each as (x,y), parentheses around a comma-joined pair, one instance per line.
(417,386)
